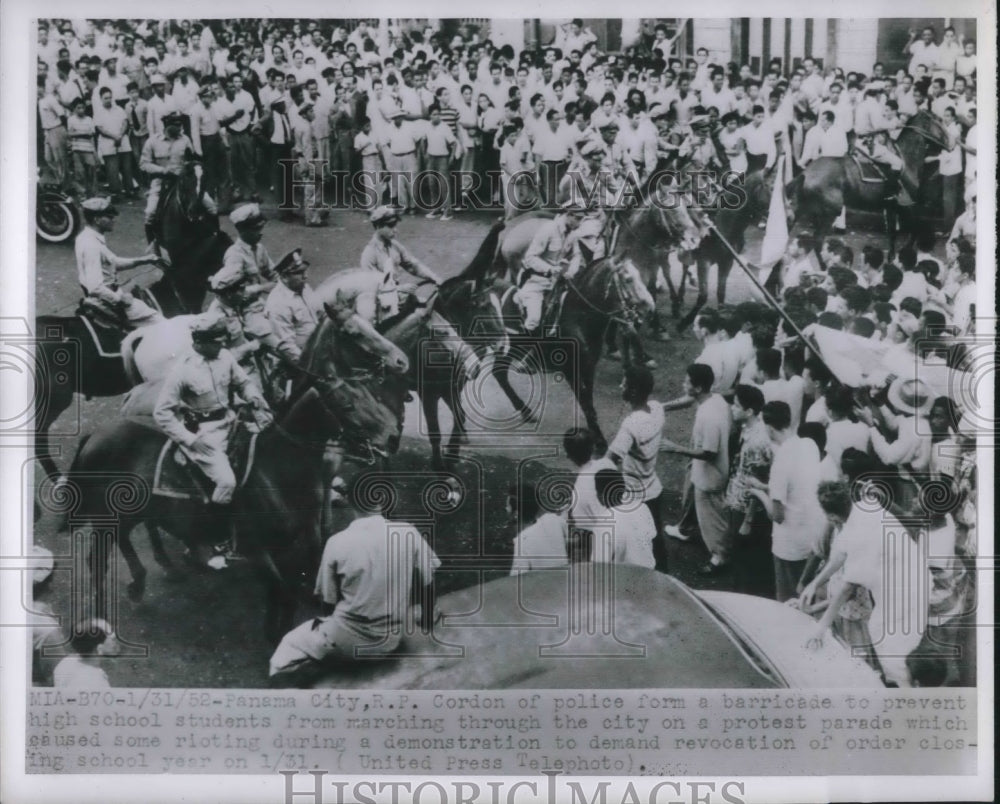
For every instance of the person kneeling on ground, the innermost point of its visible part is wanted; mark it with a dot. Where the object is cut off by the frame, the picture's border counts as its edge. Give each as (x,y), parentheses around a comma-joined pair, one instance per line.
(360,564)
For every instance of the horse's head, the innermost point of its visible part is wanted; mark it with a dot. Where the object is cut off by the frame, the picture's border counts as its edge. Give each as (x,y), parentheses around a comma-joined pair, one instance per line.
(188,191)
(922,135)
(636,299)
(344,346)
(357,344)
(684,227)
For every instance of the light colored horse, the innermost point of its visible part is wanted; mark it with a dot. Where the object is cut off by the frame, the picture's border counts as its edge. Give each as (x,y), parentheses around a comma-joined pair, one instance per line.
(149,352)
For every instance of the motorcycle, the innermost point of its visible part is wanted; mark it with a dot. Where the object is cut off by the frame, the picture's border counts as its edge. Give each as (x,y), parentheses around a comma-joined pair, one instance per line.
(57,217)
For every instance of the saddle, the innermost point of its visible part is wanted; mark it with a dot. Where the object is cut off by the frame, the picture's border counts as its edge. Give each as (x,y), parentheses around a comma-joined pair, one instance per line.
(106,326)
(179,477)
(871,171)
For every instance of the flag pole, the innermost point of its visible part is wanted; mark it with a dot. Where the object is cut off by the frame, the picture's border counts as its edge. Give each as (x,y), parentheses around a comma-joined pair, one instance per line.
(772,302)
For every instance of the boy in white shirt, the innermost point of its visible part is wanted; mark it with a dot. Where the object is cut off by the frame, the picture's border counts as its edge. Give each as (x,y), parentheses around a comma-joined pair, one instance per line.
(541,543)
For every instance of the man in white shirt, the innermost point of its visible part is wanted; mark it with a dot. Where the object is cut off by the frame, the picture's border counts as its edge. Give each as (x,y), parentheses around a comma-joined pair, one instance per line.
(113,144)
(542,541)
(790,499)
(365,576)
(759,139)
(825,139)
(586,512)
(709,453)
(921,51)
(717,94)
(628,538)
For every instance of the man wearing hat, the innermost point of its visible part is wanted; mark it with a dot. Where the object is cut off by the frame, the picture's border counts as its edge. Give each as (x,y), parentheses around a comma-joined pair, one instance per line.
(593,187)
(911,401)
(386,256)
(160,105)
(163,155)
(552,253)
(247,255)
(614,154)
(97,266)
(193,408)
(292,306)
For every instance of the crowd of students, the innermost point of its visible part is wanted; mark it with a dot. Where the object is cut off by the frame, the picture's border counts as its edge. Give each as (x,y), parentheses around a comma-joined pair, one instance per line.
(391,103)
(803,485)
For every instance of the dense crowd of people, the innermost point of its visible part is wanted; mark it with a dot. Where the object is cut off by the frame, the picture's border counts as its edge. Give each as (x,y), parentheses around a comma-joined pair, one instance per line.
(378,106)
(802,481)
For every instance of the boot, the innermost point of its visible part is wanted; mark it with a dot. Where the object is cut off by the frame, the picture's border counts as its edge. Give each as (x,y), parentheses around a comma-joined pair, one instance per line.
(227,550)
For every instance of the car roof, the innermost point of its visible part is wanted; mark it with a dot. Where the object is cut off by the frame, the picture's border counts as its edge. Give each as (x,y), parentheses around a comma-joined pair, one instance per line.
(523,632)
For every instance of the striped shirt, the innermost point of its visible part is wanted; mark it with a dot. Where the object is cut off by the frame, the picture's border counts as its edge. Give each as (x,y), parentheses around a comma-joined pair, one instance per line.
(449,116)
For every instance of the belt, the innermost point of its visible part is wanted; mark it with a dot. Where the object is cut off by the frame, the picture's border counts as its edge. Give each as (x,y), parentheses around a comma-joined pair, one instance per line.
(202,416)
(406,154)
(53,128)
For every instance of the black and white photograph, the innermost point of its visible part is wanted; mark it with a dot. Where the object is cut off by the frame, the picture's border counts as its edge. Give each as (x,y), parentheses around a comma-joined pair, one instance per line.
(564,401)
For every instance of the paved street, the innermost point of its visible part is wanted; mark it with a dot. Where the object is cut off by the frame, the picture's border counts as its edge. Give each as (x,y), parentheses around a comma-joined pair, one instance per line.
(205,630)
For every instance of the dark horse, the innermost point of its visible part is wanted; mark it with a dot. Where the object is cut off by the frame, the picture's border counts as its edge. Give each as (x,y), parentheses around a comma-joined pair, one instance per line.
(275,512)
(830,183)
(474,311)
(67,359)
(604,290)
(738,206)
(190,235)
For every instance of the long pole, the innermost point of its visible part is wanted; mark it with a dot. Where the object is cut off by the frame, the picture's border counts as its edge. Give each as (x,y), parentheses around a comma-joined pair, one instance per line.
(767,296)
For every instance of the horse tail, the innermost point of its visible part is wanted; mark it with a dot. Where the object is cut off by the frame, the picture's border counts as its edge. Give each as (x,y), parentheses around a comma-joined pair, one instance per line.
(486,256)
(128,347)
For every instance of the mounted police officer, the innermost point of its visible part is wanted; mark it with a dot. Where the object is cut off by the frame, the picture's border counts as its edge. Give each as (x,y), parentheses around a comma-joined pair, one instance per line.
(594,187)
(387,257)
(553,253)
(164,156)
(292,307)
(195,406)
(98,266)
(195,409)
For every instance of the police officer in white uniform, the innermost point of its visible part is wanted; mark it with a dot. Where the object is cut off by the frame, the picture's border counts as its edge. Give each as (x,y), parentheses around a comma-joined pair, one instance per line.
(98,266)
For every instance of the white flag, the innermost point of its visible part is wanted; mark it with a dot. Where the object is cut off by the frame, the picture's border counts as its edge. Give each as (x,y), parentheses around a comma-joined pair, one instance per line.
(776,233)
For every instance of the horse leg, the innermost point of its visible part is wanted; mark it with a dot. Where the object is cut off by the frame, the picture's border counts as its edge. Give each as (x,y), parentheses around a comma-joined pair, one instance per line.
(459,434)
(501,371)
(137,588)
(582,384)
(725,265)
(160,553)
(688,319)
(429,402)
(97,561)
(611,341)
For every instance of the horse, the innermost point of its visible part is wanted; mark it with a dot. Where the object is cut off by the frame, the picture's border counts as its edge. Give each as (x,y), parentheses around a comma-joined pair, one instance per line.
(277,509)
(738,206)
(646,235)
(74,356)
(189,232)
(474,311)
(604,290)
(830,183)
